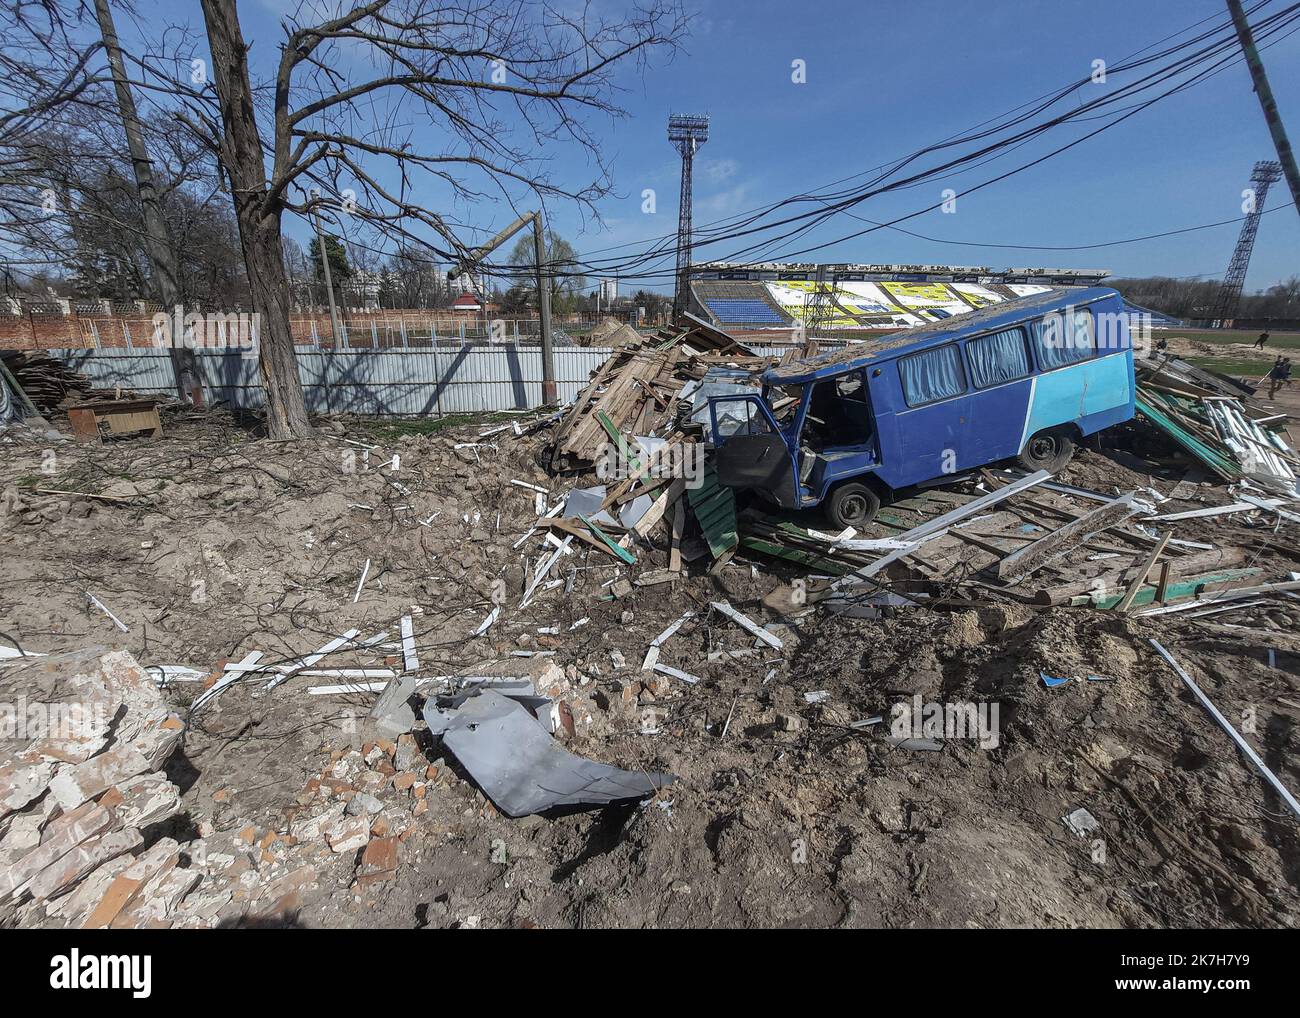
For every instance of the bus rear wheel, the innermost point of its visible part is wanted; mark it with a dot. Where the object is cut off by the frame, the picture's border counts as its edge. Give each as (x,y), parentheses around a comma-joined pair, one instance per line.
(1048,450)
(852,505)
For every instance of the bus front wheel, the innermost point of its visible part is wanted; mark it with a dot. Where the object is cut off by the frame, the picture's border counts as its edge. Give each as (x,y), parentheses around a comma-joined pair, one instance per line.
(852,505)
(1048,450)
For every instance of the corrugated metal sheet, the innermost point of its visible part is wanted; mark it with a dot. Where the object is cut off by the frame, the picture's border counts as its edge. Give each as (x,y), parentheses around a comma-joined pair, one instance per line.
(445,380)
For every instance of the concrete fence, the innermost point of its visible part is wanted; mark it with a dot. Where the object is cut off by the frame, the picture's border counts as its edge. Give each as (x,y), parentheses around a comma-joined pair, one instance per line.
(435,381)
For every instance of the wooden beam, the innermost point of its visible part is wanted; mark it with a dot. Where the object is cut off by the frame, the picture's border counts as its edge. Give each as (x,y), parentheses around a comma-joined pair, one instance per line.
(1162,588)
(1140,579)
(1060,542)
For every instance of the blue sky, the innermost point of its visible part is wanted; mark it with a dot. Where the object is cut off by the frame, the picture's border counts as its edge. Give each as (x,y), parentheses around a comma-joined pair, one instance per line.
(886,78)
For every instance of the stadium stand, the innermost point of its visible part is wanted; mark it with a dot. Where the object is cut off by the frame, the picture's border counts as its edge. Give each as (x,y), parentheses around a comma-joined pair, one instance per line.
(726,309)
(739,303)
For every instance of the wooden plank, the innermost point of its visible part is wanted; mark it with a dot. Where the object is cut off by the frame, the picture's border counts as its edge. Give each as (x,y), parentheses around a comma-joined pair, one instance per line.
(656,511)
(619,441)
(1189,587)
(1060,542)
(1232,594)
(679,528)
(620,553)
(1162,588)
(1126,602)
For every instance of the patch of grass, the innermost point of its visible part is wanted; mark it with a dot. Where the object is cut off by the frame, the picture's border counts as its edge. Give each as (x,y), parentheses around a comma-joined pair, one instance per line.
(62,482)
(1282,340)
(1247,369)
(397,427)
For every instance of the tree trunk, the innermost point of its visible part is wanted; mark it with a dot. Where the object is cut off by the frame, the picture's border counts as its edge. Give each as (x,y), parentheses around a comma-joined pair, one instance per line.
(157,238)
(259,222)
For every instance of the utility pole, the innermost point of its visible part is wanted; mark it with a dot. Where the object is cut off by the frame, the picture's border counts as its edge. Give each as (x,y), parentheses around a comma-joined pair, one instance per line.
(1266,101)
(335,327)
(550,393)
(157,238)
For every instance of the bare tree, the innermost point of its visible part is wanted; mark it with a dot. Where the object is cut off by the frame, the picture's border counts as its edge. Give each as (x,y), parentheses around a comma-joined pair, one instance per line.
(468,95)
(157,239)
(44,70)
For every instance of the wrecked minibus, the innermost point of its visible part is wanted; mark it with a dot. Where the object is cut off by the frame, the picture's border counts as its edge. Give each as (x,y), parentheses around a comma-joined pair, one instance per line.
(849,429)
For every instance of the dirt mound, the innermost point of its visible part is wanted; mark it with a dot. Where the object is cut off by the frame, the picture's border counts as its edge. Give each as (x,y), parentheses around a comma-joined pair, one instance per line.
(792,805)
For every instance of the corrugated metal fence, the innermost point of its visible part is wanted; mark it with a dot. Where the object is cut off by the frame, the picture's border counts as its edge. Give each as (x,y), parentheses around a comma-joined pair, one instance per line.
(416,382)
(446,380)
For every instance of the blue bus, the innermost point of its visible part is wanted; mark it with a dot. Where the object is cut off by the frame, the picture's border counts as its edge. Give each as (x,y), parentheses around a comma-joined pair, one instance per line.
(849,429)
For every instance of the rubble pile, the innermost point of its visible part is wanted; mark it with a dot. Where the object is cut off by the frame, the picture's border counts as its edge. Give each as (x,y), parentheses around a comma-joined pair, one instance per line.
(1216,421)
(422,680)
(81,779)
(48,382)
(635,392)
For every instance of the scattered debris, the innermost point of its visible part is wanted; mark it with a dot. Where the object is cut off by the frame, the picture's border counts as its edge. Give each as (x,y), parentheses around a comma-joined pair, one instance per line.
(522,768)
(1081,823)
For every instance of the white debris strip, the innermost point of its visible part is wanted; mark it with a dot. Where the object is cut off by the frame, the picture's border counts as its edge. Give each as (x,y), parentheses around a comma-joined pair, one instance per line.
(530,487)
(287,671)
(486,624)
(164,675)
(677,674)
(232,675)
(746,623)
(12,653)
(671,630)
(409,657)
(361,582)
(100,605)
(543,569)
(532,530)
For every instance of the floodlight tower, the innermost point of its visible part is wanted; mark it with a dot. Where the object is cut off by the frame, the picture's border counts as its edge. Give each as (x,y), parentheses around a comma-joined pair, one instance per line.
(687,133)
(818,307)
(1226,304)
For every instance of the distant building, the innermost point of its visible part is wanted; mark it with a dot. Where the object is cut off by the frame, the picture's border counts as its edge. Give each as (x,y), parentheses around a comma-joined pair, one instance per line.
(361,289)
(608,292)
(470,283)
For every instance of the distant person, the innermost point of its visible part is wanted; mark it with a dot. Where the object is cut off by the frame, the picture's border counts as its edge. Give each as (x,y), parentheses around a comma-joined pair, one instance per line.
(1263,338)
(1276,375)
(1162,343)
(1286,372)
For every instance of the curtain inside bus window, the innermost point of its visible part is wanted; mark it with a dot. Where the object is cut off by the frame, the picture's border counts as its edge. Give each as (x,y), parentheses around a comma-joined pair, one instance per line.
(935,374)
(1064,339)
(998,358)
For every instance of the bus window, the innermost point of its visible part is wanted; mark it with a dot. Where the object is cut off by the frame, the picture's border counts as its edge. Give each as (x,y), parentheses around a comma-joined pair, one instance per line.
(738,416)
(933,375)
(999,358)
(1063,338)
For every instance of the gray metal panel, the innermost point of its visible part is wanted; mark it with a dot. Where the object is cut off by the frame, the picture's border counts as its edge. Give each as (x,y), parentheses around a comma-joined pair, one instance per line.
(416,382)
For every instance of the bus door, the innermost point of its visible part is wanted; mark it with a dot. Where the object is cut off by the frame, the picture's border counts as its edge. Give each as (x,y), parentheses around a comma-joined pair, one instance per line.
(751,451)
